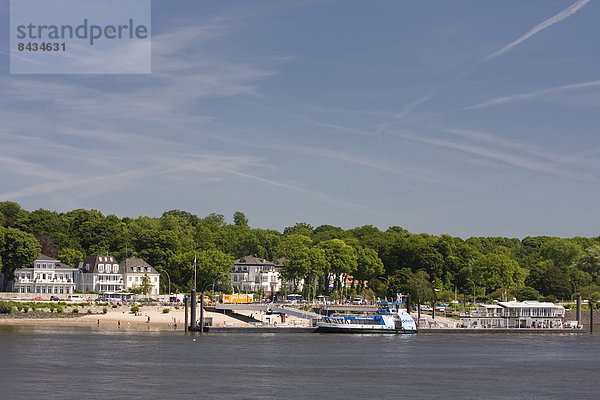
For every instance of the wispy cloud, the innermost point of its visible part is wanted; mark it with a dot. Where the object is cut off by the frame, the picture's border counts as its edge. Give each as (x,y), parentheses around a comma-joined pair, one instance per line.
(539,162)
(534,94)
(579,161)
(566,13)
(322,196)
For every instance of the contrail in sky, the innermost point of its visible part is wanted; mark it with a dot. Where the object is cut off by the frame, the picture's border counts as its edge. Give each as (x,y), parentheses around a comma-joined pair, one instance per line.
(536,93)
(566,13)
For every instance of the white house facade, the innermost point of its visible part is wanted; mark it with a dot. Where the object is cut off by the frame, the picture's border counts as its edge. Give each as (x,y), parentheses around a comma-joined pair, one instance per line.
(99,274)
(252,274)
(47,276)
(134,269)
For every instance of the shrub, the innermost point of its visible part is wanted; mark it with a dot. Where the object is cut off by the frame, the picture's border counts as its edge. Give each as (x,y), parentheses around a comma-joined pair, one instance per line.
(104,310)
(59,309)
(177,307)
(6,307)
(134,309)
(75,311)
(25,309)
(165,310)
(89,311)
(114,306)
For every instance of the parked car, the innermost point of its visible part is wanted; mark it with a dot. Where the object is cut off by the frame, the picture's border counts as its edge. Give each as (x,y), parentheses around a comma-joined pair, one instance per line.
(54,298)
(37,299)
(425,308)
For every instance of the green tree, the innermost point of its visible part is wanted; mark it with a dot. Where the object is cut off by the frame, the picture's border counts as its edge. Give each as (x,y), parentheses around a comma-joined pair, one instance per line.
(556,283)
(562,252)
(70,256)
(302,260)
(369,265)
(146,286)
(340,260)
(495,271)
(13,215)
(212,265)
(590,262)
(301,228)
(19,249)
(240,219)
(527,293)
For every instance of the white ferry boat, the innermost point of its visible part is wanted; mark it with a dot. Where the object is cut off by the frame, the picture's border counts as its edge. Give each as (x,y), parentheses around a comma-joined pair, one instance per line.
(390,318)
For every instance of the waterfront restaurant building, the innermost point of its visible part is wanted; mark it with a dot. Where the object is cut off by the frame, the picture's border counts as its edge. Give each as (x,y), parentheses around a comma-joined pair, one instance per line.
(515,314)
(47,276)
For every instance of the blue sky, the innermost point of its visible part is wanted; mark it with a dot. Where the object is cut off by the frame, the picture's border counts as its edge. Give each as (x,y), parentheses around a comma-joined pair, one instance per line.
(473,118)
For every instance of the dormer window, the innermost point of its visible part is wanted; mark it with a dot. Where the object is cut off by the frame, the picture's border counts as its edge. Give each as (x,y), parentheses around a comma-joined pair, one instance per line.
(100,267)
(134,269)
(87,267)
(115,268)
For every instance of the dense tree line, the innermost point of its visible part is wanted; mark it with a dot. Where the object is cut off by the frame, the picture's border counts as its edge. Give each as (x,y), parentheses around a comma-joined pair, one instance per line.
(390,261)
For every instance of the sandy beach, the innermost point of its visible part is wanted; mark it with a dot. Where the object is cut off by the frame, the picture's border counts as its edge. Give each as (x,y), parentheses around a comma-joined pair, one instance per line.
(149,317)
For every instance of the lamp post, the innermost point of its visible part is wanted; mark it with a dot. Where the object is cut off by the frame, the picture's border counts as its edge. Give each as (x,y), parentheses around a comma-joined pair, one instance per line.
(212,286)
(82,280)
(169,278)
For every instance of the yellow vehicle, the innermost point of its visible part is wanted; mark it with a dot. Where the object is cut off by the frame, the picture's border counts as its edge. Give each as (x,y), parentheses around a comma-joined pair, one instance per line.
(237,299)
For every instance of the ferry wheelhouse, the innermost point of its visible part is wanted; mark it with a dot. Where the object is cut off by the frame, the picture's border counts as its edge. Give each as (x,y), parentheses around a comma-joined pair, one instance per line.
(390,318)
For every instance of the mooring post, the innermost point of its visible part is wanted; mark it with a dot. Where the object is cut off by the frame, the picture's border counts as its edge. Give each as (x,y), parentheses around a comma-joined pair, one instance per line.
(578,310)
(202,312)
(185,307)
(193,311)
(591,303)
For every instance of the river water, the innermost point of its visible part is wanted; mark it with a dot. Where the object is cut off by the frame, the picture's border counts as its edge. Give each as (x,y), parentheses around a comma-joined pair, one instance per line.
(90,363)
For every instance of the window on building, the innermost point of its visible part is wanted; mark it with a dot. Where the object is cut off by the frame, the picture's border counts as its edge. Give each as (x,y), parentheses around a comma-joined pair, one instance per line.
(116,268)
(87,267)
(100,267)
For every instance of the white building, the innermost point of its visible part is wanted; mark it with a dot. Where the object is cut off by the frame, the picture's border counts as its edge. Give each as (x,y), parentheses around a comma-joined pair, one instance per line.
(251,274)
(47,276)
(134,270)
(99,274)
(515,314)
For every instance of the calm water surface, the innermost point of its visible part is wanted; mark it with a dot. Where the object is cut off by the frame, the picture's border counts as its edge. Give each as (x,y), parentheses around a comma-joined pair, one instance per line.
(87,363)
